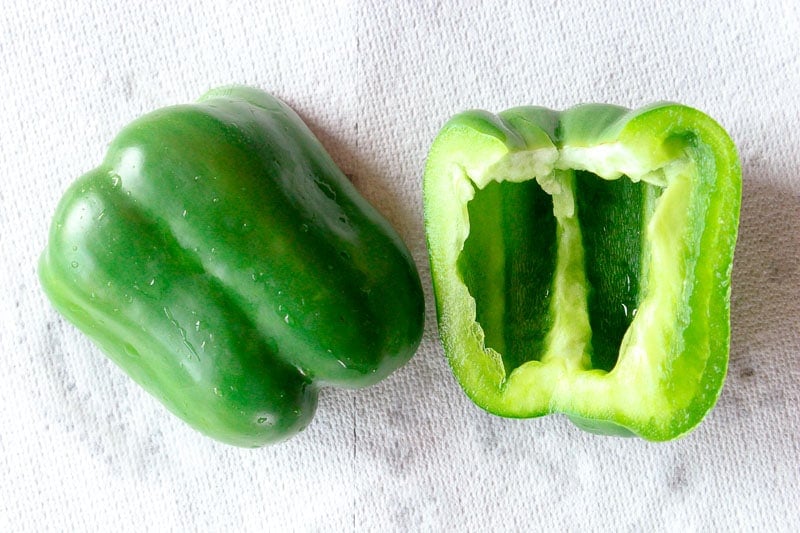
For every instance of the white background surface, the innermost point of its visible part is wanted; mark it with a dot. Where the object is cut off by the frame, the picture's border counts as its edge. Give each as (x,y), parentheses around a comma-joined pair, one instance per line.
(83,448)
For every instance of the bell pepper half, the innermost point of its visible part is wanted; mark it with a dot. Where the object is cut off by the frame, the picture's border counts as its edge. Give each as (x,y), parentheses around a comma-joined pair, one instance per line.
(581,262)
(222,260)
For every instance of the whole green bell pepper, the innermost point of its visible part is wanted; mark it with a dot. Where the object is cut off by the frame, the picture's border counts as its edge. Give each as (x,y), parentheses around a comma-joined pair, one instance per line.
(220,257)
(582,262)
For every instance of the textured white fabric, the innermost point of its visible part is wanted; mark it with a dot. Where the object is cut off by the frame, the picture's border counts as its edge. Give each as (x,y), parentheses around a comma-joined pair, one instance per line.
(83,448)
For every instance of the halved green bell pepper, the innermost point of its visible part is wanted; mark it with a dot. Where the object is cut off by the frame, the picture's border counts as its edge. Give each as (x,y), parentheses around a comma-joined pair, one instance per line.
(220,257)
(582,262)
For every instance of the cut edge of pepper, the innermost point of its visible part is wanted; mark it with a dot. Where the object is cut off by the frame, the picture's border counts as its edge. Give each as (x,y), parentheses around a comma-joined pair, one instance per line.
(556,382)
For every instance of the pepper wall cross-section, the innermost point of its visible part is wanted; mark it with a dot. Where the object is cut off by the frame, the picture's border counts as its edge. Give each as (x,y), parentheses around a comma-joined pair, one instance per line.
(582,262)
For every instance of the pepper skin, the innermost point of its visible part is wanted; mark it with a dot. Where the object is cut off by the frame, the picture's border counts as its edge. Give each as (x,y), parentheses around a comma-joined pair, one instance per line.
(582,261)
(223,261)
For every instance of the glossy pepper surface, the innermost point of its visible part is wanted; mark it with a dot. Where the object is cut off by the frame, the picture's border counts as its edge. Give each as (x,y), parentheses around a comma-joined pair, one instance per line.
(581,262)
(220,257)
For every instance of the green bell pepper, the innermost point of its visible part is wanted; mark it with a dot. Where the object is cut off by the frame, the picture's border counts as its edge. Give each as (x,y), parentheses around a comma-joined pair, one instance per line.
(223,261)
(582,261)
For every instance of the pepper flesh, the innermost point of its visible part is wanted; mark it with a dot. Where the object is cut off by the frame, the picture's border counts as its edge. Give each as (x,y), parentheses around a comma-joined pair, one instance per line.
(581,262)
(220,257)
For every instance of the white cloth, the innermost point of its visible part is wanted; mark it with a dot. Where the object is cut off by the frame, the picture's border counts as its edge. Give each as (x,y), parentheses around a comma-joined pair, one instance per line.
(84,448)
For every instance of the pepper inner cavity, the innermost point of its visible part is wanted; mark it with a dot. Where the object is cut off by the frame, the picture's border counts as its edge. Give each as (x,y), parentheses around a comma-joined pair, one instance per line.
(610,215)
(510,256)
(508,263)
